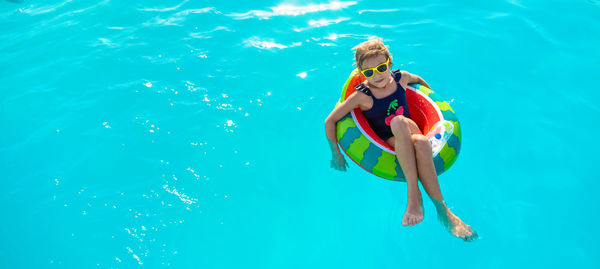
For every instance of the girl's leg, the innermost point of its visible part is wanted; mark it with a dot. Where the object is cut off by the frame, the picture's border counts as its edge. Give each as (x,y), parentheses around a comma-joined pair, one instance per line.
(425,167)
(428,177)
(405,152)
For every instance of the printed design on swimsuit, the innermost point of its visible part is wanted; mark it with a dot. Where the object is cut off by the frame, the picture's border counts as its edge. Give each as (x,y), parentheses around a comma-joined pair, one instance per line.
(393,107)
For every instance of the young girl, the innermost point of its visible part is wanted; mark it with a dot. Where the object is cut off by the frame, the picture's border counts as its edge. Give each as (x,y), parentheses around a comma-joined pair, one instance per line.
(413,150)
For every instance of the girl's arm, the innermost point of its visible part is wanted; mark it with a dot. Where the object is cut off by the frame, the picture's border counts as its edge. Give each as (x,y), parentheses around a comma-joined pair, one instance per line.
(339,112)
(412,78)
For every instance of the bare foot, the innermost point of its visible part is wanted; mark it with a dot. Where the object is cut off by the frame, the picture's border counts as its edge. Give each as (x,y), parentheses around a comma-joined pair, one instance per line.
(454,224)
(414,211)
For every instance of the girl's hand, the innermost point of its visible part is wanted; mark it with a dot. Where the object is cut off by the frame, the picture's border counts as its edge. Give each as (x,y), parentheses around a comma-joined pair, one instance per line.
(338,162)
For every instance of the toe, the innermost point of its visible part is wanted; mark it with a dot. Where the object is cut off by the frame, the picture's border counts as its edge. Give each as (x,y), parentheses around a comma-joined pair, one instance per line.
(405,221)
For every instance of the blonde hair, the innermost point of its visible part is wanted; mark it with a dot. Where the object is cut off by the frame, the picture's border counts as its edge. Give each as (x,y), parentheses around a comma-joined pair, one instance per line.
(372,48)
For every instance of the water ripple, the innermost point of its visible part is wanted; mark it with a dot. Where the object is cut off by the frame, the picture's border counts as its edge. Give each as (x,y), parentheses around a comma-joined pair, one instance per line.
(163,9)
(159,21)
(267,44)
(197,11)
(44,9)
(203,35)
(292,10)
(377,10)
(321,23)
(180,16)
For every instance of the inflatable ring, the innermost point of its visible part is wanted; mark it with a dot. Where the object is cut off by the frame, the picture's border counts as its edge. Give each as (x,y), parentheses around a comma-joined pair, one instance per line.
(426,108)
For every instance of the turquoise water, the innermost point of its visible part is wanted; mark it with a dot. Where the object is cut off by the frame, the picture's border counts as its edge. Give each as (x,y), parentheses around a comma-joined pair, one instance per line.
(189,134)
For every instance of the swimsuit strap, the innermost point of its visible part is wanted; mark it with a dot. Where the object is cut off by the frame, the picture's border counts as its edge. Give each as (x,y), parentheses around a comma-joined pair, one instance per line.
(364,89)
(397,75)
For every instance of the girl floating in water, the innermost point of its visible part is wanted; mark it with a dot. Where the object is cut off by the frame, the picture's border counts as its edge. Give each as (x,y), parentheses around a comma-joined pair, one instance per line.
(382,100)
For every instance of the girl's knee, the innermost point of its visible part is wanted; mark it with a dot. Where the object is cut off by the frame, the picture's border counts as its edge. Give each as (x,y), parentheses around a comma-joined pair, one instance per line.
(421,143)
(399,125)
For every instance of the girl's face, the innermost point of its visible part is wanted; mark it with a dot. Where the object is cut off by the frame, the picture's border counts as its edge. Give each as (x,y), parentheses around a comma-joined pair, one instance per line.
(378,80)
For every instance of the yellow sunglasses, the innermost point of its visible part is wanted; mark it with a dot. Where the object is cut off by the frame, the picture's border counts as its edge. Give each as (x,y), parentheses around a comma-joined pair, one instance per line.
(369,72)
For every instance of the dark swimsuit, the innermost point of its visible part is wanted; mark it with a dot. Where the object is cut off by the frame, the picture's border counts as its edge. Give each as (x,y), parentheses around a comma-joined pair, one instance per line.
(385,108)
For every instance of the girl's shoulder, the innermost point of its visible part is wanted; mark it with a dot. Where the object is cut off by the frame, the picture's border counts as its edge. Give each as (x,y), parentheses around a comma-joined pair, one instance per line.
(404,77)
(405,74)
